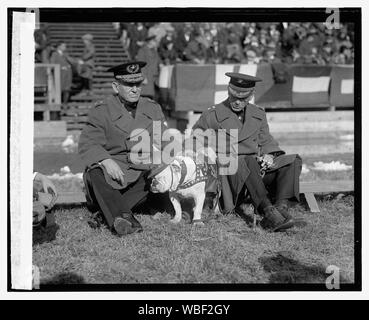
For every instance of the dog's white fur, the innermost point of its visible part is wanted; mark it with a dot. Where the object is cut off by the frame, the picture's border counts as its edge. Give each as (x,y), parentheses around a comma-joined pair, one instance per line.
(165,182)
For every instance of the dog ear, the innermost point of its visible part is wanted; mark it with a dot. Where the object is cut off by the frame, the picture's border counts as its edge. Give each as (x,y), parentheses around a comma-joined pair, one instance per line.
(176,167)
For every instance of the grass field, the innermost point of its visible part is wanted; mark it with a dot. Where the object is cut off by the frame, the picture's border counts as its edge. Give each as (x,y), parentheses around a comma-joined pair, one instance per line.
(225,250)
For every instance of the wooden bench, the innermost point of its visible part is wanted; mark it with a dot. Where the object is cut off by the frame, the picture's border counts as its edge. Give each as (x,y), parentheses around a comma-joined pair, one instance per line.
(309,189)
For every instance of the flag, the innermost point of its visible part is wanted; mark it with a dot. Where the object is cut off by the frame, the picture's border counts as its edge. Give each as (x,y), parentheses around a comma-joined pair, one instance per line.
(166,85)
(200,87)
(310,86)
(342,87)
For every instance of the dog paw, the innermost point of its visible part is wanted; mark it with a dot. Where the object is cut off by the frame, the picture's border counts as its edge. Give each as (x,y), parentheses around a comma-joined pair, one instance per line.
(198,224)
(157,216)
(175,221)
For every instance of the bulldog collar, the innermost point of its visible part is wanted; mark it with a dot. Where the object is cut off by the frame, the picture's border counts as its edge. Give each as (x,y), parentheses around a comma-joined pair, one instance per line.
(183,176)
(203,172)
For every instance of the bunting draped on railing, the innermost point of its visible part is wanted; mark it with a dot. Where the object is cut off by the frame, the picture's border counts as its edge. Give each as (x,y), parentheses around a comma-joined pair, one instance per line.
(195,88)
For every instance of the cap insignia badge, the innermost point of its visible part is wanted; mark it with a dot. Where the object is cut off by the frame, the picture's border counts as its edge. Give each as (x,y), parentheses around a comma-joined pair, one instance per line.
(133,68)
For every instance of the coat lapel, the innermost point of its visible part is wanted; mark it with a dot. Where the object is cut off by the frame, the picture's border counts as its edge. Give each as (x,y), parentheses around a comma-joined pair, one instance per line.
(253,118)
(119,115)
(227,119)
(143,119)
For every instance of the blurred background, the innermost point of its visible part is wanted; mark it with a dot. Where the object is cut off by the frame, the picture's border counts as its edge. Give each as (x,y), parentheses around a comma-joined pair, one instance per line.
(307,89)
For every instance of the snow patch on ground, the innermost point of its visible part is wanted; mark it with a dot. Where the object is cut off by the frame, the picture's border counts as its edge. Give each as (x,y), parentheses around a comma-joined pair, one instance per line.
(305,169)
(65,174)
(69,145)
(331,166)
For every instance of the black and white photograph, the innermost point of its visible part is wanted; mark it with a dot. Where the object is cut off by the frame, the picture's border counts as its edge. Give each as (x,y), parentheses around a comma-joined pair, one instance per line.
(184,149)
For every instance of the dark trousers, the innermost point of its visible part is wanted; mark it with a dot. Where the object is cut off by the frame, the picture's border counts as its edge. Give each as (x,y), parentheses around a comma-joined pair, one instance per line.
(112,202)
(65,96)
(279,184)
(86,83)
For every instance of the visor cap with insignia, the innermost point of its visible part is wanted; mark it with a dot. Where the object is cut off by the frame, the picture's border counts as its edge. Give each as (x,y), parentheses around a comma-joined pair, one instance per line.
(129,72)
(240,84)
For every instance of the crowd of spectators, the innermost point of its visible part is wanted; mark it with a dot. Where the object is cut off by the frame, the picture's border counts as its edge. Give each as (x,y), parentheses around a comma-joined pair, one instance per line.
(203,43)
(200,43)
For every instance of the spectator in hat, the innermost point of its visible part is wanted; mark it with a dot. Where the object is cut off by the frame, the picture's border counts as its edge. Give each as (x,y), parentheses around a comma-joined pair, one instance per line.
(159,30)
(263,170)
(42,45)
(167,51)
(195,51)
(149,53)
(137,33)
(215,53)
(183,38)
(116,167)
(123,36)
(251,57)
(86,64)
(60,57)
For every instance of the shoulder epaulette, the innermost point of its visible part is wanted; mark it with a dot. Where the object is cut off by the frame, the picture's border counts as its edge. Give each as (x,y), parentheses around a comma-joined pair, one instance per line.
(210,109)
(99,103)
(256,106)
(150,100)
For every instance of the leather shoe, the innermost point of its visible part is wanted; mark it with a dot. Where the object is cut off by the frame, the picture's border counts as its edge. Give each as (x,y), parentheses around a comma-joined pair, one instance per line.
(136,225)
(283,206)
(127,224)
(274,220)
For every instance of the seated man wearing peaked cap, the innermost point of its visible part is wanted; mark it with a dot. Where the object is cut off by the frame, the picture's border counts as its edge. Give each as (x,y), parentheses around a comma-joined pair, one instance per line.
(270,177)
(113,182)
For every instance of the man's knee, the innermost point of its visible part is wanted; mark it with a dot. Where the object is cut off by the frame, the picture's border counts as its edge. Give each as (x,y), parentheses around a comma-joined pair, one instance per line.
(94,175)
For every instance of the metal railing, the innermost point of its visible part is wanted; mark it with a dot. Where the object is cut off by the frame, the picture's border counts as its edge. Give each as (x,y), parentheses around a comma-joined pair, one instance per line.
(47,76)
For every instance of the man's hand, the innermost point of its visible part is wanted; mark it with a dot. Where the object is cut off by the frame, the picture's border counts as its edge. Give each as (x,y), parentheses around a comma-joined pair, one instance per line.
(47,185)
(266,161)
(113,170)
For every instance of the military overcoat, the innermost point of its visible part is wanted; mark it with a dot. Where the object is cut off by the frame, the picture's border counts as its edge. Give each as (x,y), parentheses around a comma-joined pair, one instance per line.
(112,133)
(249,138)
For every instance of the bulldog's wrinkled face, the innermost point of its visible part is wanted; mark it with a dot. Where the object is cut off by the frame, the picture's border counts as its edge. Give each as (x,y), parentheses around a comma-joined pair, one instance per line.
(164,180)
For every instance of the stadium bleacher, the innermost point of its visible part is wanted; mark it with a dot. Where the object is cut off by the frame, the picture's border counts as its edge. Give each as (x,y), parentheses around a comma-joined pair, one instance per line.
(108,52)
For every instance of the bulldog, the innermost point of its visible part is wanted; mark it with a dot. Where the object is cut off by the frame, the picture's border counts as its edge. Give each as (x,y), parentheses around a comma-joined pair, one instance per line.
(186,177)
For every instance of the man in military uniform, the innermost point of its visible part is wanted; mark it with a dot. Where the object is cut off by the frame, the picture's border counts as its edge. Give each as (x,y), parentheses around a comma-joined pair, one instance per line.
(113,181)
(264,171)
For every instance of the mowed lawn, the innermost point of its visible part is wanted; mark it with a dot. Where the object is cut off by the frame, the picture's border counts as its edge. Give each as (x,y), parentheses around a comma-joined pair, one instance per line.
(225,250)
